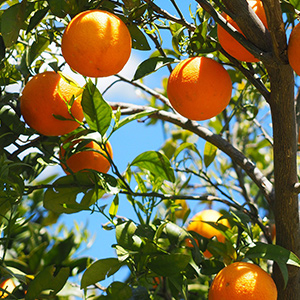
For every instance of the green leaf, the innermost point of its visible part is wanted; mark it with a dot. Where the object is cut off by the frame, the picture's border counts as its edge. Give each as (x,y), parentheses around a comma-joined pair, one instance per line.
(62,196)
(100,270)
(211,266)
(118,290)
(185,146)
(12,21)
(138,38)
(177,36)
(210,152)
(155,162)
(169,264)
(151,65)
(126,237)
(97,112)
(295,3)
(175,233)
(114,206)
(36,18)
(40,44)
(46,281)
(276,253)
(57,7)
(133,117)
(60,251)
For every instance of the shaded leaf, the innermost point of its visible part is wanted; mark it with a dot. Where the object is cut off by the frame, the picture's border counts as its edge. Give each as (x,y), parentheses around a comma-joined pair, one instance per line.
(169,264)
(46,280)
(12,21)
(150,65)
(138,38)
(276,253)
(62,196)
(36,18)
(100,270)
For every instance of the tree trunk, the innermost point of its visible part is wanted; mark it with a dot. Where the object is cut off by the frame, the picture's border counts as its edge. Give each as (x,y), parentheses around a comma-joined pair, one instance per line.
(286,209)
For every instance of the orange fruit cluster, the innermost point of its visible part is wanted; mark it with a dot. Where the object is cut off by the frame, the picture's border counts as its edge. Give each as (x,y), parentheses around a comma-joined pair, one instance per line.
(198,225)
(199,88)
(230,44)
(242,281)
(96,44)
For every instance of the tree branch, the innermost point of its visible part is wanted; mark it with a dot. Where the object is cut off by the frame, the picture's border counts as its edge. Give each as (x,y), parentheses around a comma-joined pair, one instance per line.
(248,166)
(276,29)
(258,38)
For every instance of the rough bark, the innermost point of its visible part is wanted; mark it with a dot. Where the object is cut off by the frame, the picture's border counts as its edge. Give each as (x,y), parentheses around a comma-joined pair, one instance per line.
(285,207)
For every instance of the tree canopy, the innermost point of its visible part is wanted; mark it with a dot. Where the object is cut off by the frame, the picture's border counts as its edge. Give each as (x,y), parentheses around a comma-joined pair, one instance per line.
(242,162)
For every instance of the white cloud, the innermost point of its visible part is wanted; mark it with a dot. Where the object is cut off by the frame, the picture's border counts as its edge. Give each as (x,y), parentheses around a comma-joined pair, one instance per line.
(119,91)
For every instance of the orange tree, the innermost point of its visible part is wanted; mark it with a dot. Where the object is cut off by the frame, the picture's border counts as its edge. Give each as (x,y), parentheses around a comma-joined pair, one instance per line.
(242,161)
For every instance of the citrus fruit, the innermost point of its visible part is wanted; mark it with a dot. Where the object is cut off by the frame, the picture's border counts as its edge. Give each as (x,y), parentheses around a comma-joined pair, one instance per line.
(242,281)
(91,156)
(96,43)
(294,49)
(182,209)
(230,44)
(197,224)
(199,88)
(44,97)
(7,285)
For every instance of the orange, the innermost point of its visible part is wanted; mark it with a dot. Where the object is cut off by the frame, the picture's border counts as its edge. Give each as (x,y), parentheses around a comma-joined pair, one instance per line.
(96,43)
(182,209)
(230,44)
(294,49)
(197,225)
(90,157)
(45,96)
(7,285)
(199,88)
(242,281)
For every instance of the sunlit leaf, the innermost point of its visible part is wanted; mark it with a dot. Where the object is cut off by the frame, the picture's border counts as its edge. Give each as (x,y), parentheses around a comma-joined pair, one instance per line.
(210,152)
(156,163)
(97,112)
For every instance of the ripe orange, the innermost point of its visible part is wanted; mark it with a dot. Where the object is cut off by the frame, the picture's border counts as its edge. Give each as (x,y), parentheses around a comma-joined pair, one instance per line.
(91,157)
(242,281)
(7,285)
(197,224)
(231,45)
(44,96)
(294,49)
(96,43)
(199,88)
